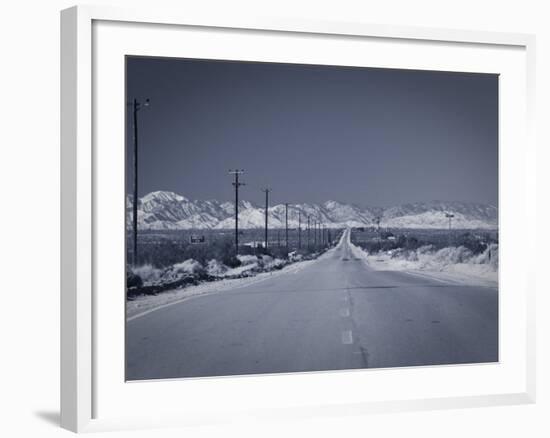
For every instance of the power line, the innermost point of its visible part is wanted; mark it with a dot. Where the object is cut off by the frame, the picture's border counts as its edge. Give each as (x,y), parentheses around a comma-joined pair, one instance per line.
(237,184)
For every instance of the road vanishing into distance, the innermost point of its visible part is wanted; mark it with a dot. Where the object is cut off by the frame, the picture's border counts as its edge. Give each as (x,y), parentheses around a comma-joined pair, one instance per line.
(335,313)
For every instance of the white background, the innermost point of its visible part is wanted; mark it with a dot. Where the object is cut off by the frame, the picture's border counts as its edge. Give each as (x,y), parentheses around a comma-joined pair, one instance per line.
(29,217)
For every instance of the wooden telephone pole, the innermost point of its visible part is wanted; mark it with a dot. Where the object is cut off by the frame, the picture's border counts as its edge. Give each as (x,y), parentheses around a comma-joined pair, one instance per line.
(286,227)
(299,230)
(450,216)
(315,234)
(136,106)
(308,228)
(266,191)
(237,184)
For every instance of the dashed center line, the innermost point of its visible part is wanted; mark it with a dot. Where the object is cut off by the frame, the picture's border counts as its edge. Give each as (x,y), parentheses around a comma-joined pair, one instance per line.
(344,313)
(347,337)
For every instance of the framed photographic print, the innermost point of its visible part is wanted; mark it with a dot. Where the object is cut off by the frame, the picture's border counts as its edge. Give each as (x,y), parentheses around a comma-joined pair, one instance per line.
(257,208)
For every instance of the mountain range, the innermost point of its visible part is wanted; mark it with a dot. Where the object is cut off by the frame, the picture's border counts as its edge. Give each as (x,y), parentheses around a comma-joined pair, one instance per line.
(163,210)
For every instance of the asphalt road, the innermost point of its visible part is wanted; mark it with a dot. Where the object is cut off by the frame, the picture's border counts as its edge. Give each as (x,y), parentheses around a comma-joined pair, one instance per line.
(336,313)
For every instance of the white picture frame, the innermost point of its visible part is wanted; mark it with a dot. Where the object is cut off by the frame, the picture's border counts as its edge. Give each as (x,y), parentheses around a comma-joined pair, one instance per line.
(80,310)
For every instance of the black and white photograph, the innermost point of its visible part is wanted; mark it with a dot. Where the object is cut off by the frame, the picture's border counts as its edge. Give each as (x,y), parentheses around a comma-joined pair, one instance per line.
(285,218)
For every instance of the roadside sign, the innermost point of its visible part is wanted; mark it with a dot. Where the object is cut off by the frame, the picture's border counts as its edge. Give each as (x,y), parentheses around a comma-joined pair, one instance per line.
(197,239)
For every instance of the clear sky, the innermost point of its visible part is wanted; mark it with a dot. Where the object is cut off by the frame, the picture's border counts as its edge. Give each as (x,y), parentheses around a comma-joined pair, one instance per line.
(374,137)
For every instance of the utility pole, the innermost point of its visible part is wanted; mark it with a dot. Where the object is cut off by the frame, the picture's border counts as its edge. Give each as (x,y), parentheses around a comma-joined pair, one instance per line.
(315,234)
(286,227)
(308,217)
(299,229)
(377,221)
(266,191)
(237,184)
(136,106)
(449,216)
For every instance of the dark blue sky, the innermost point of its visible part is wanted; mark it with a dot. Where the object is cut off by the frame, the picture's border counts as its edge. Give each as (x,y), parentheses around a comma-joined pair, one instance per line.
(313,133)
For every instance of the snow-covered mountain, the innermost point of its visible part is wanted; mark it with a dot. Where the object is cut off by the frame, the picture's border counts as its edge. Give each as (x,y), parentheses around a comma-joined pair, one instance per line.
(167,210)
(432,215)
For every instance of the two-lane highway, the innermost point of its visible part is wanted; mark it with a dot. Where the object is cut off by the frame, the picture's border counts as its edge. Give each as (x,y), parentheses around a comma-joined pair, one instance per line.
(336,313)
